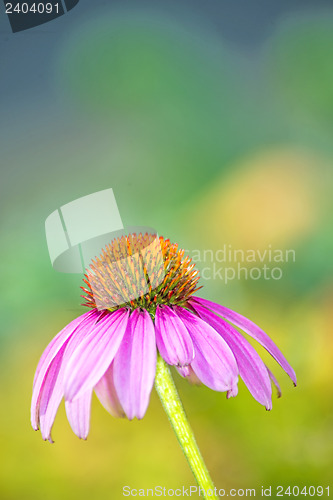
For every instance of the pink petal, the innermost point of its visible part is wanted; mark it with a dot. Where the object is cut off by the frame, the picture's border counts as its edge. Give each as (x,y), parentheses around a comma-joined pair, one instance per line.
(48,368)
(188,373)
(106,393)
(232,393)
(275,382)
(78,414)
(135,365)
(214,363)
(52,389)
(50,396)
(56,343)
(93,356)
(251,329)
(172,338)
(251,368)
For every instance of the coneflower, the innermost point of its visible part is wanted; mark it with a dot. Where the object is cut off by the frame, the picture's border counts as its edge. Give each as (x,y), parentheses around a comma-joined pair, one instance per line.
(144,317)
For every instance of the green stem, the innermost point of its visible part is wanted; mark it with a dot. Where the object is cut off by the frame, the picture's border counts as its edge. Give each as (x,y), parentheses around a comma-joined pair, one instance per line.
(173,407)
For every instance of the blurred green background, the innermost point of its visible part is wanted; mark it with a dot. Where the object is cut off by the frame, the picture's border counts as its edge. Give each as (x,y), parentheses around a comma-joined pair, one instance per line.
(214,125)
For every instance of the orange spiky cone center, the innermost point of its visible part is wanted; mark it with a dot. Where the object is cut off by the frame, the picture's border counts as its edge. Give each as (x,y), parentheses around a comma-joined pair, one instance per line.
(140,271)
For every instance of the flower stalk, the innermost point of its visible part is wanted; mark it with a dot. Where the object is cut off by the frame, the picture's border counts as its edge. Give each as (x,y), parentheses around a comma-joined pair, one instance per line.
(173,407)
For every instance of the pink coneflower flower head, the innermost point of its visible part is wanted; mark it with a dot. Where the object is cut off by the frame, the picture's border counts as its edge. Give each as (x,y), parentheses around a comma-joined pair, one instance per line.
(136,311)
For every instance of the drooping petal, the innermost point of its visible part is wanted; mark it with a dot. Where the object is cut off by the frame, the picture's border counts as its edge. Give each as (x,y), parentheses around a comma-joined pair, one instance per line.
(93,356)
(251,368)
(55,345)
(135,365)
(188,373)
(45,376)
(214,363)
(107,395)
(78,414)
(251,329)
(172,338)
(52,390)
(232,393)
(275,382)
(50,396)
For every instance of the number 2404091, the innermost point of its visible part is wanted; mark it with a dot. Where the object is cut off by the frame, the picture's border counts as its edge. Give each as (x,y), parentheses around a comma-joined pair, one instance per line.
(35,8)
(296,491)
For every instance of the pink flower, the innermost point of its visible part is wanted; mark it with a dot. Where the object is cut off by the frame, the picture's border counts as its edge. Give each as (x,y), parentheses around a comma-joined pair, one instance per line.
(113,351)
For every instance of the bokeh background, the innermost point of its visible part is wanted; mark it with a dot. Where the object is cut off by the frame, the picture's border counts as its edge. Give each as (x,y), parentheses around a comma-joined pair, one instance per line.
(212,122)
